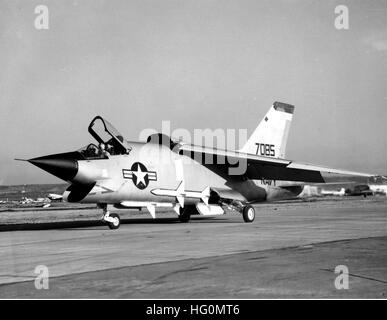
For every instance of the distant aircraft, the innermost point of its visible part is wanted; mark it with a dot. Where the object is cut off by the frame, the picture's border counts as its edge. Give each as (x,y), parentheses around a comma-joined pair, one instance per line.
(381,189)
(188,178)
(39,202)
(374,185)
(359,190)
(378,185)
(55,197)
(333,192)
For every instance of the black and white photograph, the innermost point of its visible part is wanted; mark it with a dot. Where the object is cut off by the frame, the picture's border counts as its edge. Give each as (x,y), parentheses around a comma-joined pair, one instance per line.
(193,154)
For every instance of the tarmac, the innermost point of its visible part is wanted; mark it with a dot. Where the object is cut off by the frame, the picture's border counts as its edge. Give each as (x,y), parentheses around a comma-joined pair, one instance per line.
(291,250)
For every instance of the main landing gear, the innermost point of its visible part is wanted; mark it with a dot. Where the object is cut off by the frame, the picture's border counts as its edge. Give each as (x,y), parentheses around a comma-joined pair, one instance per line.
(186,212)
(111,219)
(247,211)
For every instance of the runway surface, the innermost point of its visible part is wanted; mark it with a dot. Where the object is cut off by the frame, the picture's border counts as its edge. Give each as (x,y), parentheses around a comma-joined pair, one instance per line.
(290,251)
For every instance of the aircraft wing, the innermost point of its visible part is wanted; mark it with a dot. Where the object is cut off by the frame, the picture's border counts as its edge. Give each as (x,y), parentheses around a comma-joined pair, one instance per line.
(260,167)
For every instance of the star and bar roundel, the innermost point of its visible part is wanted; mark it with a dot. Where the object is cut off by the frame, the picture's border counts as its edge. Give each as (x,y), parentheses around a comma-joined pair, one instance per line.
(140,175)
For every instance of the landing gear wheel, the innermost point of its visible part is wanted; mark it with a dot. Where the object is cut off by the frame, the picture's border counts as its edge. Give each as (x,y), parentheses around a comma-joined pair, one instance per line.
(112,220)
(185,214)
(115,221)
(248,213)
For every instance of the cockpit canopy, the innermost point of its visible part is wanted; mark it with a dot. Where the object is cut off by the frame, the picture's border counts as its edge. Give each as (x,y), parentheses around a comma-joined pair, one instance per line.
(110,141)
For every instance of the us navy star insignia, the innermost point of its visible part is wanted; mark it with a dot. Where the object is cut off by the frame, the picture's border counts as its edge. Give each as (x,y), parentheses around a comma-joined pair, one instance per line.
(140,175)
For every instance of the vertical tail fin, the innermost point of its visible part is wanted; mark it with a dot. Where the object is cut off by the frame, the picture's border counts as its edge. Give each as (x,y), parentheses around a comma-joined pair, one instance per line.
(270,137)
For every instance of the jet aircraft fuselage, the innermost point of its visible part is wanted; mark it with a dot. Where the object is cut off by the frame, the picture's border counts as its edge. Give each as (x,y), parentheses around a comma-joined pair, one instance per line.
(190,179)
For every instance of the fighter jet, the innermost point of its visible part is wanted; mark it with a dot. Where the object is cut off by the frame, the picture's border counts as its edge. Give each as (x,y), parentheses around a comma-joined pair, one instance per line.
(191,179)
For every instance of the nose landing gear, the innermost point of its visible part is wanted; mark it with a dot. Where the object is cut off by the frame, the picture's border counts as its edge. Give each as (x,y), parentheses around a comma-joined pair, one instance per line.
(247,210)
(248,213)
(112,220)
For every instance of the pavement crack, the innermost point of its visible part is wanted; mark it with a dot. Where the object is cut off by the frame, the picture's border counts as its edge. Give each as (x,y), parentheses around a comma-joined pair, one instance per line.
(158,279)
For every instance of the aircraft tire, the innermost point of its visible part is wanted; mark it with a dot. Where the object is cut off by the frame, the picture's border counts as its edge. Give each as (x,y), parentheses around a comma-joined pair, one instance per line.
(248,214)
(185,214)
(114,225)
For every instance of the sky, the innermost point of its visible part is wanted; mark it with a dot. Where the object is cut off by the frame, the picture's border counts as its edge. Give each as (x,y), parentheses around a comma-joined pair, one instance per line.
(198,64)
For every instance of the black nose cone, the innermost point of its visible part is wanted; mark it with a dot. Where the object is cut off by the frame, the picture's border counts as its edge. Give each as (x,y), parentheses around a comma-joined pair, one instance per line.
(62,165)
